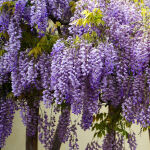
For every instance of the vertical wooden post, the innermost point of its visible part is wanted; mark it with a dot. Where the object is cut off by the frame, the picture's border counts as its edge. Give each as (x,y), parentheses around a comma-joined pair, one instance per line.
(32,142)
(149,133)
(111,127)
(57,142)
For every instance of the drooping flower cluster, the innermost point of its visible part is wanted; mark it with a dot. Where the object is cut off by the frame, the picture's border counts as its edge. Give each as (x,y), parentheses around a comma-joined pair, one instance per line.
(112,141)
(48,133)
(7,110)
(39,15)
(109,142)
(63,126)
(121,64)
(25,75)
(136,107)
(76,72)
(60,10)
(73,138)
(20,9)
(4,21)
(44,66)
(132,141)
(113,69)
(46,130)
(30,115)
(4,73)
(93,145)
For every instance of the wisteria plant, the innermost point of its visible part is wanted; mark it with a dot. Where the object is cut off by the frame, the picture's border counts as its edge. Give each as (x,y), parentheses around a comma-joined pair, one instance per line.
(75,56)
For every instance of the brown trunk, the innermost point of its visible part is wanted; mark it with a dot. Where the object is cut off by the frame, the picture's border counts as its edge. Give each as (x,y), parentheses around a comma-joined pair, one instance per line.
(111,111)
(57,142)
(32,141)
(149,133)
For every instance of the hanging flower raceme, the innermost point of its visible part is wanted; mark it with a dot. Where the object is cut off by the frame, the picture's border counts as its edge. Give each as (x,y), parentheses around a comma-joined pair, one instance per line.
(7,110)
(4,73)
(46,130)
(29,114)
(75,76)
(31,74)
(39,14)
(136,106)
(60,10)
(112,141)
(111,66)
(4,22)
(93,145)
(44,66)
(20,9)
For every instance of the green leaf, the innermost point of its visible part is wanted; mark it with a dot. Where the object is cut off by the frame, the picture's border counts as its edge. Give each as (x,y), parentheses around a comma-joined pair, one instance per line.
(45,44)
(35,52)
(10,95)
(72,4)
(5,35)
(95,134)
(90,16)
(94,17)
(100,134)
(58,24)
(85,12)
(79,22)
(143,11)
(85,22)
(2,51)
(128,124)
(122,131)
(145,129)
(77,40)
(8,6)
